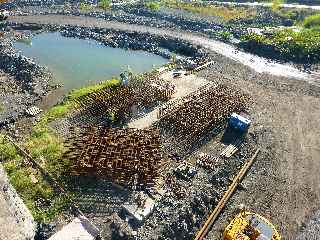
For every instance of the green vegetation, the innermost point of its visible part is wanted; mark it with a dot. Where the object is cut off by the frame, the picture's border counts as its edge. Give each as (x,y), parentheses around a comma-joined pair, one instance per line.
(7,150)
(31,185)
(46,147)
(90,89)
(104,4)
(225,13)
(1,107)
(300,46)
(154,6)
(276,5)
(225,35)
(312,21)
(64,108)
(85,7)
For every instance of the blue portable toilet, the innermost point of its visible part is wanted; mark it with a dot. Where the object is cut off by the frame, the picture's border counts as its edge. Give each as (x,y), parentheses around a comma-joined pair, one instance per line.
(239,122)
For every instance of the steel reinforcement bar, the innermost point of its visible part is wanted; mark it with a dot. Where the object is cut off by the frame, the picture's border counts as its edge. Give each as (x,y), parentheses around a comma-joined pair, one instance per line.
(213,216)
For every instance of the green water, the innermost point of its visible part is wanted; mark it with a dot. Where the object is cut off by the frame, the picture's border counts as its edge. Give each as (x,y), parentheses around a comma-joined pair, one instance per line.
(77,62)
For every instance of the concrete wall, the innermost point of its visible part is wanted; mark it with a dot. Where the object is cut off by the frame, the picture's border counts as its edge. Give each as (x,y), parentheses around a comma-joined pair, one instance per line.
(16,221)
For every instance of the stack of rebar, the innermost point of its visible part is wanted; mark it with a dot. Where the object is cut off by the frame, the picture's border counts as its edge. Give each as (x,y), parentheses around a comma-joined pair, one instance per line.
(193,116)
(119,100)
(128,157)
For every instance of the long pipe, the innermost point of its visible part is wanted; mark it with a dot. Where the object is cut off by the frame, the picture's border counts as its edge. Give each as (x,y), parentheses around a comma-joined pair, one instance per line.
(213,216)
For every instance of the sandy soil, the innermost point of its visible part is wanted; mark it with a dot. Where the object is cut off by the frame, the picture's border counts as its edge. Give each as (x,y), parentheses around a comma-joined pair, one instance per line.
(284,182)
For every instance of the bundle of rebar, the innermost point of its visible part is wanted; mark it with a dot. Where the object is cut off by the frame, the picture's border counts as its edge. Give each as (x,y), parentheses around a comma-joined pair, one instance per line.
(119,100)
(128,157)
(187,120)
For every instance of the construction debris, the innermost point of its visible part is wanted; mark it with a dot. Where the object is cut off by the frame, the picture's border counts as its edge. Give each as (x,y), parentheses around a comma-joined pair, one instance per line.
(185,171)
(207,161)
(33,111)
(231,149)
(141,209)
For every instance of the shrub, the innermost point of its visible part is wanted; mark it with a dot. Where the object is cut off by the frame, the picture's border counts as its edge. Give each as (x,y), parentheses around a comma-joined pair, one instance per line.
(225,35)
(302,46)
(154,6)
(276,5)
(312,21)
(83,7)
(104,4)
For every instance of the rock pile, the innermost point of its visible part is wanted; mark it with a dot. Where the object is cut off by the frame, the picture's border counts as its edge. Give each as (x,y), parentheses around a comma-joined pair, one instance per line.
(26,71)
(27,84)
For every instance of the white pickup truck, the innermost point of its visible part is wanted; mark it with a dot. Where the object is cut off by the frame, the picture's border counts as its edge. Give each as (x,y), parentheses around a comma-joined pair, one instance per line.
(4,15)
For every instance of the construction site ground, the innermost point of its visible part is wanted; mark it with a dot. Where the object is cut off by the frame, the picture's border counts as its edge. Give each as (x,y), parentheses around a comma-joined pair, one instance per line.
(283,184)
(184,85)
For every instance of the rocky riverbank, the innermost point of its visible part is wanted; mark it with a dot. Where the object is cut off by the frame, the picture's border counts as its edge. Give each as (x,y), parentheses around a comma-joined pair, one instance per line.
(32,81)
(164,45)
(22,83)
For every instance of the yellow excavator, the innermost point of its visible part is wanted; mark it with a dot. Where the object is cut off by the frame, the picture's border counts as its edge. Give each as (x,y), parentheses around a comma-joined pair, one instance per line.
(250,226)
(246,225)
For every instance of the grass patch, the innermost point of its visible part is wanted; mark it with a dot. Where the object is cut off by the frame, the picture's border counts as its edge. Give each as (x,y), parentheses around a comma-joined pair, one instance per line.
(45,144)
(1,107)
(39,196)
(302,46)
(90,89)
(7,150)
(61,110)
(223,12)
(225,36)
(276,5)
(104,4)
(312,22)
(85,7)
(46,147)
(154,6)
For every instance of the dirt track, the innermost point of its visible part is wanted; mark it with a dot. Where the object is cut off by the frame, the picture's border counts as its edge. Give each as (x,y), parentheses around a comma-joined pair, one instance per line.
(284,182)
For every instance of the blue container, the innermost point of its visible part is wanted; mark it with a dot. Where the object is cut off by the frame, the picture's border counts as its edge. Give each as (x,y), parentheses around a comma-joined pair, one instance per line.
(238,122)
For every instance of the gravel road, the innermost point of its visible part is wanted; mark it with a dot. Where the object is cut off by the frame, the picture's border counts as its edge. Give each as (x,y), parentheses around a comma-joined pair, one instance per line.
(263,4)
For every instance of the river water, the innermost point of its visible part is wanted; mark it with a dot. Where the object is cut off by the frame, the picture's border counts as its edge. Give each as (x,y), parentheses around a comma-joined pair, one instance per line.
(77,62)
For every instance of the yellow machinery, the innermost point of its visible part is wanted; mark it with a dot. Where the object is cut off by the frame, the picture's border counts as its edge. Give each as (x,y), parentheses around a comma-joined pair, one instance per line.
(250,226)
